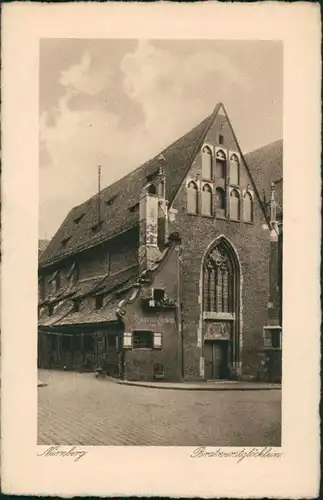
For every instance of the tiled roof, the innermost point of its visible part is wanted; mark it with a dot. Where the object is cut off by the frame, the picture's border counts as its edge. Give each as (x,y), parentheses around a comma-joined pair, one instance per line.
(266,166)
(77,233)
(61,310)
(88,287)
(106,313)
(64,314)
(126,277)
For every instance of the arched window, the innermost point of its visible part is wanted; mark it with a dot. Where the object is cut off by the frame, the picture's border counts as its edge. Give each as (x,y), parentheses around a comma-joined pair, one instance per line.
(219,199)
(247,207)
(192,198)
(206,163)
(234,205)
(206,200)
(234,169)
(220,165)
(218,292)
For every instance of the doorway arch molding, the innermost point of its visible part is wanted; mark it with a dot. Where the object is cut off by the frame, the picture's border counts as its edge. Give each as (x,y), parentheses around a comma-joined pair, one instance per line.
(222,243)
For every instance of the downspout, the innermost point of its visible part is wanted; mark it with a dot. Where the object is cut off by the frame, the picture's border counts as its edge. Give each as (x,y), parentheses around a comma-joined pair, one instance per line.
(179,314)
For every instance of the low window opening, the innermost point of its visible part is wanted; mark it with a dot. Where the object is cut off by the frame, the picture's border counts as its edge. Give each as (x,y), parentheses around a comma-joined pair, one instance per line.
(66,240)
(159,294)
(152,175)
(98,301)
(134,208)
(50,309)
(142,340)
(79,218)
(110,200)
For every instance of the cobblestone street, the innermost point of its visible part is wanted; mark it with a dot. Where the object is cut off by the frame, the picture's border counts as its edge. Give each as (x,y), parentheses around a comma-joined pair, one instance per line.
(78,409)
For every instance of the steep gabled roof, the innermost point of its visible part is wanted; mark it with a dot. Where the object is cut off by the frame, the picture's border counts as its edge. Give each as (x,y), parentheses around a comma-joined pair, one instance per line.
(266,166)
(118,201)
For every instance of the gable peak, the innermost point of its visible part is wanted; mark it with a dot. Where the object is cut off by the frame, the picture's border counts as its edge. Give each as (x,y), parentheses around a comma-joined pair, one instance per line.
(221,110)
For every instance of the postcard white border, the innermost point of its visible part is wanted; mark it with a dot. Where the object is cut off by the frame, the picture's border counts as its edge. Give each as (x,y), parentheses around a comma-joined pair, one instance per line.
(111,471)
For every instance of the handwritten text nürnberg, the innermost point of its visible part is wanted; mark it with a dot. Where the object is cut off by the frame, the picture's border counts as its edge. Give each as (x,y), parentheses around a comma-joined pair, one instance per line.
(56,451)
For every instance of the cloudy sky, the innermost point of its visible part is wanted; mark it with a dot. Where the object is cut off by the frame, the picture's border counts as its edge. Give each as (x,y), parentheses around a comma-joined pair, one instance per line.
(116,103)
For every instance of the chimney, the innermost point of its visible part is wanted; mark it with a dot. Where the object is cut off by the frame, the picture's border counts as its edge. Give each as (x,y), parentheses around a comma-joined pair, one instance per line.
(148,228)
(162,232)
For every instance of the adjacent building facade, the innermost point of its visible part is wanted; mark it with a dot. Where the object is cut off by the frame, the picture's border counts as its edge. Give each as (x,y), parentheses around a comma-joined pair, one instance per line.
(167,273)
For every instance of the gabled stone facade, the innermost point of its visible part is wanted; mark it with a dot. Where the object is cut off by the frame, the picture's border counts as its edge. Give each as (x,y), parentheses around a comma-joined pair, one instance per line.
(182,290)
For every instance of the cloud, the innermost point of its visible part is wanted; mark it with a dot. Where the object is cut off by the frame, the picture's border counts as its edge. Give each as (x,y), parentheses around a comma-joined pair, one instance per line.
(85,77)
(172,92)
(175,91)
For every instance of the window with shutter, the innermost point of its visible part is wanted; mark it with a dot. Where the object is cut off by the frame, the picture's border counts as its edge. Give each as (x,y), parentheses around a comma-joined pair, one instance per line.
(142,339)
(157,340)
(127,340)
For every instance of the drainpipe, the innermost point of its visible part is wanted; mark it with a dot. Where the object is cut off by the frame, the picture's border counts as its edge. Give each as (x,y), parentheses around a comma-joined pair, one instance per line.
(179,324)
(179,314)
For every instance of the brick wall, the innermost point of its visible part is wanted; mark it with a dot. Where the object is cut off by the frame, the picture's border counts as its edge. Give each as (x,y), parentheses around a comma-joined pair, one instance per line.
(252,244)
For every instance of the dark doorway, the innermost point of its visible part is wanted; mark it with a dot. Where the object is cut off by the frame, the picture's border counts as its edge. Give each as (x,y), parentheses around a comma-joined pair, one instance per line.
(216,359)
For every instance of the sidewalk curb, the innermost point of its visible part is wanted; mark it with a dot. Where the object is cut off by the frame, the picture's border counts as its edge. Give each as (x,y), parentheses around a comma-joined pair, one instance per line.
(214,388)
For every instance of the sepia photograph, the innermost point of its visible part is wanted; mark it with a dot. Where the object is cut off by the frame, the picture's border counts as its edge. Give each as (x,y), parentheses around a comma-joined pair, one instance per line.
(160,249)
(160,243)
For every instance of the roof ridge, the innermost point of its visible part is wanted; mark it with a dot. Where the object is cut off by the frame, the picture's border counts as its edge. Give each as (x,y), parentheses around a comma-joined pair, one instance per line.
(116,218)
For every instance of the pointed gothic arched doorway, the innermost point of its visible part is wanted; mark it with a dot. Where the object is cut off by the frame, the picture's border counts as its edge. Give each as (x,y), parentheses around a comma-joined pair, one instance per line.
(221,311)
